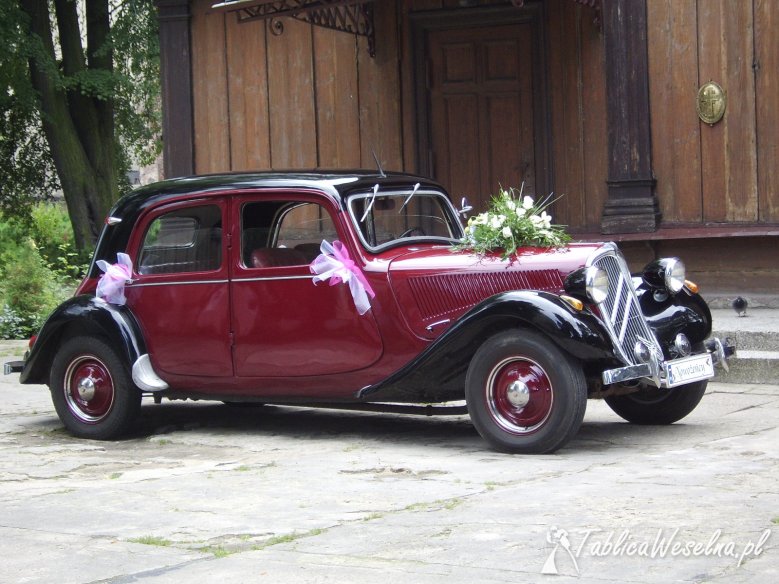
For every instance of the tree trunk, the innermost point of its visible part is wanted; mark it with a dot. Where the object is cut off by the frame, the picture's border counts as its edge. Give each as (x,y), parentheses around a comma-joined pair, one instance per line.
(79,128)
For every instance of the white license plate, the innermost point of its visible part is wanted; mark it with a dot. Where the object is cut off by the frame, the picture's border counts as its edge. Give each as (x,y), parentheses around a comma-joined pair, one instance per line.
(689,369)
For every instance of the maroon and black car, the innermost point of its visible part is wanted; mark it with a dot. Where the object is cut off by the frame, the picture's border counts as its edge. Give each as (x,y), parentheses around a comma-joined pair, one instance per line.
(343,289)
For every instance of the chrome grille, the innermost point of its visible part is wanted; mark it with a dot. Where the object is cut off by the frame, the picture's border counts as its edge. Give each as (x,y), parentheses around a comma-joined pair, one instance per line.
(621,311)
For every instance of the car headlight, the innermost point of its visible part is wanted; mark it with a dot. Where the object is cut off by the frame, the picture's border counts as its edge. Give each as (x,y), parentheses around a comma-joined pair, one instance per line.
(668,273)
(596,284)
(591,284)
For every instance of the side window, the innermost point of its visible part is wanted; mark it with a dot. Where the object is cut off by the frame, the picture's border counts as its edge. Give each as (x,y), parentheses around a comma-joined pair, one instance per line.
(184,240)
(283,233)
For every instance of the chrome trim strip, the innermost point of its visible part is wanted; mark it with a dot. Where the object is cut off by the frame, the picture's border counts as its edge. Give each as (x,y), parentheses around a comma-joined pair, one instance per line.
(234,280)
(137,285)
(267,278)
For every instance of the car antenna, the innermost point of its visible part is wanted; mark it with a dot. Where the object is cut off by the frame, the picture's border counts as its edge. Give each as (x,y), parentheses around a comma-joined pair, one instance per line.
(378,164)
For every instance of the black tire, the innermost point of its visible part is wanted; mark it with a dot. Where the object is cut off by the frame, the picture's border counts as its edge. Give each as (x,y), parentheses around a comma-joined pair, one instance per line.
(653,406)
(525,395)
(92,390)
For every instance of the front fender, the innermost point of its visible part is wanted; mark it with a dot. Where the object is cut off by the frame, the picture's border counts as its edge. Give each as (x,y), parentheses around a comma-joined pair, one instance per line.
(83,315)
(667,316)
(438,373)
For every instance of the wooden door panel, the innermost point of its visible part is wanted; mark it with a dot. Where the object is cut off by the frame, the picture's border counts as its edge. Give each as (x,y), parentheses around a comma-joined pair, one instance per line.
(482,116)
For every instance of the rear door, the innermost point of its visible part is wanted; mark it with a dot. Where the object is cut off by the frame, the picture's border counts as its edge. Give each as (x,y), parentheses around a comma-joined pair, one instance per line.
(180,292)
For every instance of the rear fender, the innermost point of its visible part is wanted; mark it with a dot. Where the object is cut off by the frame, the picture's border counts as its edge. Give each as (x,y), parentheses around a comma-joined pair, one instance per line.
(83,315)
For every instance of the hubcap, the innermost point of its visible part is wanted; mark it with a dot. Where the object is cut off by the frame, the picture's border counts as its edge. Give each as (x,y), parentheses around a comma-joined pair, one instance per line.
(89,389)
(519,395)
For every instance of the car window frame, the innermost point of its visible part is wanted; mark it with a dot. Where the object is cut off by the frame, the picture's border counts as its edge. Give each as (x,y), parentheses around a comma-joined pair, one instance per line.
(428,239)
(135,245)
(294,197)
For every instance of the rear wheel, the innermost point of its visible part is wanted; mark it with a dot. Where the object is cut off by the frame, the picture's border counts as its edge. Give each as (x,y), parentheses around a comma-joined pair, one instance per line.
(524,395)
(92,391)
(653,406)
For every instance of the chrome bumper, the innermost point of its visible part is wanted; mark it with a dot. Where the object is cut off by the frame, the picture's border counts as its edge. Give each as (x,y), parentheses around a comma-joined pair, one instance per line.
(652,371)
(13,367)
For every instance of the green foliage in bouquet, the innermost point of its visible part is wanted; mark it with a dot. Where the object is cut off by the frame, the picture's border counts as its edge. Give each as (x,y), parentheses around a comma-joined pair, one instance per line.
(512,221)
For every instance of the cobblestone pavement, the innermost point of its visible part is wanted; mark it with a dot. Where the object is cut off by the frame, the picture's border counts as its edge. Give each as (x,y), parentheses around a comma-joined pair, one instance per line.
(277,494)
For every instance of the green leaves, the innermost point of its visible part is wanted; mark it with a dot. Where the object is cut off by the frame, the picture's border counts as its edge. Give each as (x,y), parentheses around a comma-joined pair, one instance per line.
(121,77)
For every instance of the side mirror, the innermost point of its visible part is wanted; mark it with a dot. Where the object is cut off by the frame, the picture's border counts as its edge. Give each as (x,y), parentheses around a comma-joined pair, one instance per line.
(465,208)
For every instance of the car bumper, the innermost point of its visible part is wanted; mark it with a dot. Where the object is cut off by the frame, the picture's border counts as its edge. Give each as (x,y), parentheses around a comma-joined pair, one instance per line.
(676,372)
(13,367)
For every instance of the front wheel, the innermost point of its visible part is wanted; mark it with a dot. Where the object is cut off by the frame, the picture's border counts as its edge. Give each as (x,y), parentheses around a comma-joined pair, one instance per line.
(654,406)
(92,391)
(524,395)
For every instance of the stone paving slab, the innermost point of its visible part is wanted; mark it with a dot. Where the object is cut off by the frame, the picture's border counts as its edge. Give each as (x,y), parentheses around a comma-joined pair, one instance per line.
(298,495)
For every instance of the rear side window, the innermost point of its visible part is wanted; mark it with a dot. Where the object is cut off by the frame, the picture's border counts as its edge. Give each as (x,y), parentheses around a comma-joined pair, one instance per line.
(184,240)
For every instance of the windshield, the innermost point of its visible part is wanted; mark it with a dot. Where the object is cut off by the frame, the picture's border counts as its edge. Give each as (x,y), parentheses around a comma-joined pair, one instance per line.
(384,219)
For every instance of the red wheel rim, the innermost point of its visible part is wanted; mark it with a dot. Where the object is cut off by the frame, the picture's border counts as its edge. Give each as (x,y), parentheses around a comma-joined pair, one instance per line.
(519,395)
(89,389)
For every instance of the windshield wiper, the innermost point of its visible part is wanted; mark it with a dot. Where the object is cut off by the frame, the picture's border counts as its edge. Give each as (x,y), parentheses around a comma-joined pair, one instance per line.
(370,205)
(413,192)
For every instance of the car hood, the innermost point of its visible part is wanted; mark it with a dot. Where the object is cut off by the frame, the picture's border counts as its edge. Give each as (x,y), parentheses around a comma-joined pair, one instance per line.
(434,286)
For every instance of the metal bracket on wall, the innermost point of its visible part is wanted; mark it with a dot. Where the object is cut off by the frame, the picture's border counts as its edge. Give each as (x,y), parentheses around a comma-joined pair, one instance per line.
(352,16)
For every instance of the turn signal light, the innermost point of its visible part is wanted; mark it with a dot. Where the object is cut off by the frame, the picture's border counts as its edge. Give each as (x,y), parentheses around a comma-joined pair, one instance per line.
(575,303)
(691,286)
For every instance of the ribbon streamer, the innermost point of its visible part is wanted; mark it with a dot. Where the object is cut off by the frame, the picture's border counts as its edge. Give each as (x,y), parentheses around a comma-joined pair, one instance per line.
(110,287)
(334,264)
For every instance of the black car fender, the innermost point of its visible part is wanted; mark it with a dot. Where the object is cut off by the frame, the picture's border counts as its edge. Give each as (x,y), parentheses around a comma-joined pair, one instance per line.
(83,315)
(438,373)
(685,312)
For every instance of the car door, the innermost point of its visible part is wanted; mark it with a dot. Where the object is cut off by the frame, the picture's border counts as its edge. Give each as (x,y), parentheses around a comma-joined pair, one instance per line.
(180,292)
(284,325)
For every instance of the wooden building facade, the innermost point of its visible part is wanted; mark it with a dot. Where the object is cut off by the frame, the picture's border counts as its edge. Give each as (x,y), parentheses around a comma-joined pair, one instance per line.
(594,100)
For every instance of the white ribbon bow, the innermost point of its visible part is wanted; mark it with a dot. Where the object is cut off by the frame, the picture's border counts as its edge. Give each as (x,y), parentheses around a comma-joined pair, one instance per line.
(110,287)
(334,264)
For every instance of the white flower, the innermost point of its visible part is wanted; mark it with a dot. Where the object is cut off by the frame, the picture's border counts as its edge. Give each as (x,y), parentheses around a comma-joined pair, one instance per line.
(511,204)
(536,220)
(521,212)
(527,203)
(546,220)
(480,219)
(497,221)
(506,232)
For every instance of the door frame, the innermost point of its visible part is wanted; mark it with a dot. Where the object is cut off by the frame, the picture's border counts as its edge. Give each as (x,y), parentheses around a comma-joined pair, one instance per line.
(421,23)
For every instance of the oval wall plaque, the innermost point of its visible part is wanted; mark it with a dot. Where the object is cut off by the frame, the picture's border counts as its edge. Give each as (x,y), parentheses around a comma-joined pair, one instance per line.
(711,102)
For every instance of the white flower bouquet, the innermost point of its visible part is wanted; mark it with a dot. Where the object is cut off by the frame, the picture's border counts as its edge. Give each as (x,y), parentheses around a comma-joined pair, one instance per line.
(512,221)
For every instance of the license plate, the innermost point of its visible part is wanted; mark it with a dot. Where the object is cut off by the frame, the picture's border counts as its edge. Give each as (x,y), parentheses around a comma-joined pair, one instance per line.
(689,369)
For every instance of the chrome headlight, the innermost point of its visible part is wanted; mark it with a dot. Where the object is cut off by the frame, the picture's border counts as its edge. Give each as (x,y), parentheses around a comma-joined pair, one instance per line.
(596,284)
(590,284)
(668,273)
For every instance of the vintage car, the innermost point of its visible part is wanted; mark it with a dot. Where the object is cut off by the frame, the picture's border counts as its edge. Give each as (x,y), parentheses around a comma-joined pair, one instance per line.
(345,289)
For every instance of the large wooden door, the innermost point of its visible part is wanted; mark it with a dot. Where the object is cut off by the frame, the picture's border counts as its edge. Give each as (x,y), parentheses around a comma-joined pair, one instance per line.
(485,125)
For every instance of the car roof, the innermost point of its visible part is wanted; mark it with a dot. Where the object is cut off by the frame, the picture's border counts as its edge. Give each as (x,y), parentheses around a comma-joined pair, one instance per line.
(336,184)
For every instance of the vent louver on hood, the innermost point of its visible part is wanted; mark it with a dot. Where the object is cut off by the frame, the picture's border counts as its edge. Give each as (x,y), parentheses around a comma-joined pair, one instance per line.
(444,294)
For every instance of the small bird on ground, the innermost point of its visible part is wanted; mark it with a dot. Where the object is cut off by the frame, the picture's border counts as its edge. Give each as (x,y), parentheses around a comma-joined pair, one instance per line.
(740,305)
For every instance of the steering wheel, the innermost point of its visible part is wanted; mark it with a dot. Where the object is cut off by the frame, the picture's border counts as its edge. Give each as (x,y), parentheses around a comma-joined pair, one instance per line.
(409,231)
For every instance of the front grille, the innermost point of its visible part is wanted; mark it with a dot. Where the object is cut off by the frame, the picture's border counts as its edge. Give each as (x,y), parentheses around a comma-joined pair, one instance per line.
(621,311)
